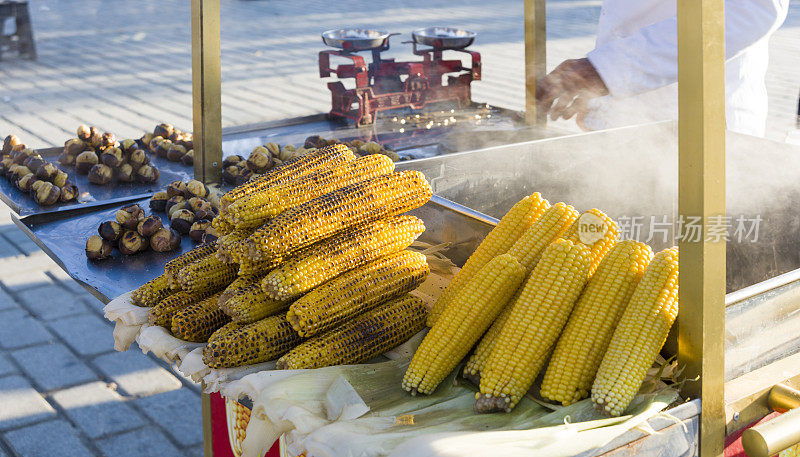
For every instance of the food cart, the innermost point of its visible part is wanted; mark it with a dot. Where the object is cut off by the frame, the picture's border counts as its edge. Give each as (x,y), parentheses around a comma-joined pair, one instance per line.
(736,378)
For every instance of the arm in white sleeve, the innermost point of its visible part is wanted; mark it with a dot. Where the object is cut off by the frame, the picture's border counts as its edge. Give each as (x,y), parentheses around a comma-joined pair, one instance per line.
(648,59)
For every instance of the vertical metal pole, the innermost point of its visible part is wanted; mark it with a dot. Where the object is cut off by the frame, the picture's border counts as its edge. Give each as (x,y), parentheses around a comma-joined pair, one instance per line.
(701,181)
(205,401)
(206,90)
(535,56)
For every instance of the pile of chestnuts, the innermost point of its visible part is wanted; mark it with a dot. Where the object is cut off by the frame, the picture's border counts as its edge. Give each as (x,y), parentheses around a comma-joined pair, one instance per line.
(131,232)
(170,143)
(191,207)
(30,173)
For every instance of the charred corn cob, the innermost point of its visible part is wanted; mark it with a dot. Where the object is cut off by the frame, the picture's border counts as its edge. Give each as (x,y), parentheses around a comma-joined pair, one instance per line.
(207,275)
(249,267)
(533,326)
(199,320)
(596,230)
(357,291)
(152,292)
(580,348)
(340,253)
(161,314)
(516,221)
(639,336)
(260,341)
(239,285)
(463,322)
(228,244)
(253,210)
(175,265)
(529,247)
(362,338)
(225,329)
(250,303)
(221,225)
(293,169)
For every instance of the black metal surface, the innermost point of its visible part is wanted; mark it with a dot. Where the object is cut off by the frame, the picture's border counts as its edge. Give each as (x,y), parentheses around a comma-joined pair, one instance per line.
(63,237)
(92,194)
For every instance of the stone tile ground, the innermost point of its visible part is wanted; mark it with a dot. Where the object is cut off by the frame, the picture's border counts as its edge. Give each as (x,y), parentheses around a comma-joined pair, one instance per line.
(124,66)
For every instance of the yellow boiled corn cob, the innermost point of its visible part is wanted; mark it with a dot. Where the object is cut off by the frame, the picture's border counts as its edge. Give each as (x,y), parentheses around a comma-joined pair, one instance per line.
(340,253)
(586,223)
(225,329)
(516,221)
(639,336)
(463,322)
(199,320)
(532,328)
(152,292)
(580,348)
(250,303)
(293,169)
(228,244)
(208,274)
(260,341)
(174,266)
(161,314)
(253,210)
(356,291)
(529,247)
(476,362)
(366,336)
(359,203)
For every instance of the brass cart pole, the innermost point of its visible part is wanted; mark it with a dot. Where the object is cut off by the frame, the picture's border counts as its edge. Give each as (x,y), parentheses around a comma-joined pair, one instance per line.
(701,181)
(207,119)
(535,57)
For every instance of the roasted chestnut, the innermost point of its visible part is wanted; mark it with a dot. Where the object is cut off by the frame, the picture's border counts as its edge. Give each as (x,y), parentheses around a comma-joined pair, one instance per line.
(46,172)
(128,146)
(195,188)
(287,154)
(66,159)
(244,177)
(97,248)
(231,174)
(108,140)
(95,138)
(47,194)
(197,203)
(204,213)
(74,147)
(154,142)
(18,147)
(84,132)
(113,157)
(186,141)
(33,163)
(176,152)
(165,240)
(69,192)
(314,141)
(158,202)
(132,242)
(210,236)
(273,148)
(130,216)
(260,160)
(110,230)
(149,226)
(181,221)
(125,173)
(198,229)
(148,173)
(35,187)
(391,154)
(21,156)
(176,188)
(146,138)
(19,171)
(231,160)
(85,161)
(101,174)
(163,148)
(188,158)
(60,179)
(9,142)
(370,148)
(24,183)
(176,207)
(138,158)
(163,130)
(172,201)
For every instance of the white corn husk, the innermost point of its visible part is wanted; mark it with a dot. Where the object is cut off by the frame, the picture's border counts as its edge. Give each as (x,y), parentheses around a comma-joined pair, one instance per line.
(128,320)
(158,340)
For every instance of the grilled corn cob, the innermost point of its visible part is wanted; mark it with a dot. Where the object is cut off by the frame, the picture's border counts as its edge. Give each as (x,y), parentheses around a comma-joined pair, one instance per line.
(208,274)
(345,251)
(357,291)
(260,341)
(463,322)
(161,314)
(224,330)
(639,336)
(603,244)
(239,285)
(249,267)
(362,338)
(293,169)
(228,244)
(253,210)
(152,292)
(529,247)
(222,225)
(516,221)
(175,265)
(359,203)
(250,303)
(580,348)
(199,320)
(533,326)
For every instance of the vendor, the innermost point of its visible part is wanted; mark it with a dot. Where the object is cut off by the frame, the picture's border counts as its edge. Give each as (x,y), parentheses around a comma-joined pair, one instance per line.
(630,76)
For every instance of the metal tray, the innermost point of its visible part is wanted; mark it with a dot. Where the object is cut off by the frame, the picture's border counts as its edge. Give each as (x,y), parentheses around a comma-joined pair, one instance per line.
(443,37)
(354,39)
(92,194)
(62,236)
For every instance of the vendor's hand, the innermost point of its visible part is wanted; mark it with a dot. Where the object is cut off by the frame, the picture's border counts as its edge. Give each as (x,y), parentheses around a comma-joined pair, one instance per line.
(566,91)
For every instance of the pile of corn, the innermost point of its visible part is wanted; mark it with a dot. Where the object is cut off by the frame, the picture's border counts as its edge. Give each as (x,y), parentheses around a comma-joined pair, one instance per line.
(533,298)
(311,267)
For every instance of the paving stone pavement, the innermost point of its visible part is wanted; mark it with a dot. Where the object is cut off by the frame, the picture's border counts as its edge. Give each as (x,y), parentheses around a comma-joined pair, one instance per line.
(125,66)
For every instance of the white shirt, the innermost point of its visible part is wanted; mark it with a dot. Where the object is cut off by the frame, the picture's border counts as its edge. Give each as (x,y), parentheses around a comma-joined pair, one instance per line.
(636,55)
